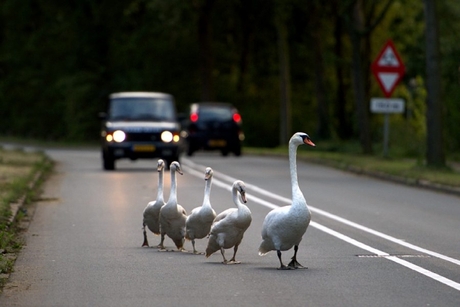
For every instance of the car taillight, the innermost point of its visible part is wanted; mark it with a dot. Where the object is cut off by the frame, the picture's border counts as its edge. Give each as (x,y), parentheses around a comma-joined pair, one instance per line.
(193,117)
(237,118)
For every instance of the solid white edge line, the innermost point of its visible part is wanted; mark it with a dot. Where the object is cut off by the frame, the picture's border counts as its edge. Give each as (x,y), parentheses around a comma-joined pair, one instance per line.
(400,261)
(345,221)
(343,237)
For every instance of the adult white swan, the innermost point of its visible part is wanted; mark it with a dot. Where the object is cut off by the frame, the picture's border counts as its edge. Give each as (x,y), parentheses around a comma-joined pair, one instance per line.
(284,227)
(173,215)
(229,226)
(198,223)
(152,211)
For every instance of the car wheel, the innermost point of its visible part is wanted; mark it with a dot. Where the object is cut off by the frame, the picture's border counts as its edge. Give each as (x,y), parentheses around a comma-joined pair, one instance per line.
(108,163)
(237,151)
(224,152)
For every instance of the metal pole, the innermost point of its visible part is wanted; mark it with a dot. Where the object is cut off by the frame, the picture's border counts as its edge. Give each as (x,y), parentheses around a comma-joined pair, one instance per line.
(386,132)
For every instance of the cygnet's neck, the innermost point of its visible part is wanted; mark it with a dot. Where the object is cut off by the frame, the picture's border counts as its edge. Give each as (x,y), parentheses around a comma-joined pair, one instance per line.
(160,185)
(173,192)
(207,192)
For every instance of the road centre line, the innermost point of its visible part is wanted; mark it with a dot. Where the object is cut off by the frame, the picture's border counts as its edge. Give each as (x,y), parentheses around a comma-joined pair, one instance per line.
(334,233)
(338,219)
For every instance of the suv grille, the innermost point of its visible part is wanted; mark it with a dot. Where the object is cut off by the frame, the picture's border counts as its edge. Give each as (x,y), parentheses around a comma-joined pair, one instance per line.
(142,137)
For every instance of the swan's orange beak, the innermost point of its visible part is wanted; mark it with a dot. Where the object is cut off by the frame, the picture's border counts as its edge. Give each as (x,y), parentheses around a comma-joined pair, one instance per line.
(308,142)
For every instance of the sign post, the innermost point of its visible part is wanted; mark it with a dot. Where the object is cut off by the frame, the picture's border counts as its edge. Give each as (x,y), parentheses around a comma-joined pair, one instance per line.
(388,69)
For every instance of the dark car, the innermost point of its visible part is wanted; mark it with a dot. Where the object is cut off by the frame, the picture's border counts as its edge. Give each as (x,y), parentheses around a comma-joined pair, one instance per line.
(214,126)
(140,125)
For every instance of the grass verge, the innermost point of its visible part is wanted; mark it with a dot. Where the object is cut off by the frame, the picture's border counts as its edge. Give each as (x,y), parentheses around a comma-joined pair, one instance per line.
(408,170)
(21,175)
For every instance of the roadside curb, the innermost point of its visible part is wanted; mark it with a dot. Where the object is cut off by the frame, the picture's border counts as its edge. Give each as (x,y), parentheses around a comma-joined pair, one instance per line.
(420,183)
(15,206)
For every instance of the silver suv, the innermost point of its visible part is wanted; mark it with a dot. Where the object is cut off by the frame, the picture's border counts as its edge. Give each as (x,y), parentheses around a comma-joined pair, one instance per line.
(140,125)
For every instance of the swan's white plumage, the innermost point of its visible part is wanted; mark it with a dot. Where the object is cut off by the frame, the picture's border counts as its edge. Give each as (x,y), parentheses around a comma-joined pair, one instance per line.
(284,227)
(173,215)
(229,226)
(198,223)
(151,214)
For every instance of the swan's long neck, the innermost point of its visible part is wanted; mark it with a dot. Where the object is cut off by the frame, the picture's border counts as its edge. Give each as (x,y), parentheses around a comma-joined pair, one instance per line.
(160,185)
(207,192)
(236,199)
(296,192)
(173,192)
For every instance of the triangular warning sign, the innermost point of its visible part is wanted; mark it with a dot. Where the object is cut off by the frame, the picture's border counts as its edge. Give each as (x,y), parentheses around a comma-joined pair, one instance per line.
(388,58)
(388,80)
(388,68)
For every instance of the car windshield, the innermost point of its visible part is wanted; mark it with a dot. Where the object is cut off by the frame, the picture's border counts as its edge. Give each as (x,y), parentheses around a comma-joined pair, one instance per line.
(142,108)
(207,113)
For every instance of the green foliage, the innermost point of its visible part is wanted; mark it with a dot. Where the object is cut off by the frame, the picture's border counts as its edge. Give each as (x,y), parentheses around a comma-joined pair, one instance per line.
(60,60)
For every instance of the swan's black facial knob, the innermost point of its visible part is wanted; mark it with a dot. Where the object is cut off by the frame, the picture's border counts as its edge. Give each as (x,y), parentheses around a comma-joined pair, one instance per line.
(307,140)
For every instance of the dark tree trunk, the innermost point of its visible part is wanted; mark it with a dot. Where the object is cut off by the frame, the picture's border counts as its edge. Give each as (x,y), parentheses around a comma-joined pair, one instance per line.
(358,78)
(434,117)
(322,128)
(344,129)
(206,54)
(285,82)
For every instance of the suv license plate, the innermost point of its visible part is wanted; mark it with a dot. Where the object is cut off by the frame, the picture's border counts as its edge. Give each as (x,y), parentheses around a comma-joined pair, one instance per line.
(146,147)
(217,143)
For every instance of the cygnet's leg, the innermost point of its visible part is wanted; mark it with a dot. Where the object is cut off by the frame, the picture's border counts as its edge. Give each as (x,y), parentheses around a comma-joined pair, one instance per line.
(146,243)
(161,246)
(294,264)
(222,251)
(233,260)
(193,244)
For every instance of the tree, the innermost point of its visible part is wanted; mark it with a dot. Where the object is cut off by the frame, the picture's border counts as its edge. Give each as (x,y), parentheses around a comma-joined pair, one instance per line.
(205,43)
(284,71)
(362,20)
(434,118)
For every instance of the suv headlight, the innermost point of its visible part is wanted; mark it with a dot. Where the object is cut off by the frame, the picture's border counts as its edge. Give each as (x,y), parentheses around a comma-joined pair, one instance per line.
(117,136)
(168,137)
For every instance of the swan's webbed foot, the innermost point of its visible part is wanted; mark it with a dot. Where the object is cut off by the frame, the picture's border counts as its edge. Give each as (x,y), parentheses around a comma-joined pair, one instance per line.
(285,267)
(233,261)
(295,265)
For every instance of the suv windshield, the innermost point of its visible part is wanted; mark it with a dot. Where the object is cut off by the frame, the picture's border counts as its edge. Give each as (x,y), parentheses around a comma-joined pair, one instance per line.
(141,109)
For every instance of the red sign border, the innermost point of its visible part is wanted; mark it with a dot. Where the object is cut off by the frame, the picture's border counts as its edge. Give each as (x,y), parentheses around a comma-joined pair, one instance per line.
(376,68)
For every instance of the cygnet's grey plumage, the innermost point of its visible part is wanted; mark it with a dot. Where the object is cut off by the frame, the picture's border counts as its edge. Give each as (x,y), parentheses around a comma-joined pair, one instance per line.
(229,226)
(198,223)
(173,215)
(151,213)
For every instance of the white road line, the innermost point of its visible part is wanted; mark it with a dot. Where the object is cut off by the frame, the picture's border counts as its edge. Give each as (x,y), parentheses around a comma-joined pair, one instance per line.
(338,235)
(400,261)
(338,219)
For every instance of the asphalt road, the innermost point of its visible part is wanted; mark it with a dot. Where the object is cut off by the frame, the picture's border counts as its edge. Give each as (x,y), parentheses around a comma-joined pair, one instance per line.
(370,243)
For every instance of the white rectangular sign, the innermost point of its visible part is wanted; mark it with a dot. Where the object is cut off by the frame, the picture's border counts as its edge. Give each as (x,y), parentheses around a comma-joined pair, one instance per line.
(387,105)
